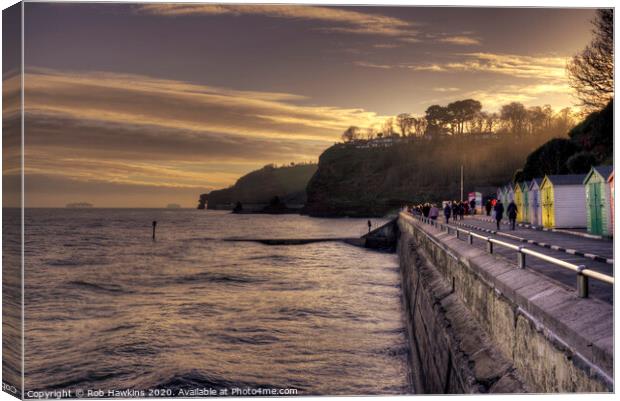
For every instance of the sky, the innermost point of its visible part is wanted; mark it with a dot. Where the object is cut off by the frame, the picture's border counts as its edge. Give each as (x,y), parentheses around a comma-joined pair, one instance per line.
(141,105)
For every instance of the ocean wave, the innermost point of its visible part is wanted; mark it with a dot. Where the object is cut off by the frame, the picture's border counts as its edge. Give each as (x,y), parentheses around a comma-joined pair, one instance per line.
(109,288)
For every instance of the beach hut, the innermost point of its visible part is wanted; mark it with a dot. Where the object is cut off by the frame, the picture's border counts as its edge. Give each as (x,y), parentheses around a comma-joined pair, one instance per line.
(521,200)
(610,181)
(510,193)
(518,199)
(477,196)
(500,194)
(535,210)
(525,209)
(563,201)
(598,197)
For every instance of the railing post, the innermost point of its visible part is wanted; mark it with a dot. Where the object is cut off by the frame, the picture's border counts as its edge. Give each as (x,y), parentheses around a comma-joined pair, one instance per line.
(582,283)
(458,234)
(520,258)
(489,245)
(470,239)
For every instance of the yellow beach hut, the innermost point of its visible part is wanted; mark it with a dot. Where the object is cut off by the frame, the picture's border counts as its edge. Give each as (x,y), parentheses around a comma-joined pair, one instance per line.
(535,210)
(563,201)
(598,196)
(518,199)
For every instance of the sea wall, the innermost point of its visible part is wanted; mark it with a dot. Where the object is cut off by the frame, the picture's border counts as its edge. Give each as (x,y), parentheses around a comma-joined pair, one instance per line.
(477,324)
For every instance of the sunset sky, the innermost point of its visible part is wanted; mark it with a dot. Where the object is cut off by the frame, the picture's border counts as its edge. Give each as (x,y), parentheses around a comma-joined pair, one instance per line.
(145,105)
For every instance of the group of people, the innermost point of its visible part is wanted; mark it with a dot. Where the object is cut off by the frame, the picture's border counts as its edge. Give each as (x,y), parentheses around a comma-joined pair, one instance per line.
(455,209)
(458,209)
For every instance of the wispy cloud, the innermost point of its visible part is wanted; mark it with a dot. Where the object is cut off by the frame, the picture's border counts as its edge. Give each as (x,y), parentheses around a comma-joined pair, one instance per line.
(495,96)
(134,99)
(367,64)
(385,45)
(122,129)
(461,40)
(442,89)
(355,22)
(519,66)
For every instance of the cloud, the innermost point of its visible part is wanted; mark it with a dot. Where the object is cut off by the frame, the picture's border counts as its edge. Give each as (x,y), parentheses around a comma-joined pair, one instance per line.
(461,40)
(357,22)
(441,89)
(385,45)
(518,66)
(493,97)
(373,65)
(133,130)
(141,100)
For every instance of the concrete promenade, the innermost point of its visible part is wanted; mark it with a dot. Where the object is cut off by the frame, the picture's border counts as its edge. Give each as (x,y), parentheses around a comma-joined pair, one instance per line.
(556,242)
(601,250)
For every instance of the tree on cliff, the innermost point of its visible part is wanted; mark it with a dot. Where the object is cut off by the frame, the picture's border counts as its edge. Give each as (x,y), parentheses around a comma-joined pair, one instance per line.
(388,127)
(404,122)
(515,116)
(462,112)
(350,134)
(437,118)
(591,73)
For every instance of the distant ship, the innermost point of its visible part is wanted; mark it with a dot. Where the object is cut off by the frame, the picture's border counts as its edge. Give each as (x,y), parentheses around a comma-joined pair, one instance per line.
(79,205)
(173,206)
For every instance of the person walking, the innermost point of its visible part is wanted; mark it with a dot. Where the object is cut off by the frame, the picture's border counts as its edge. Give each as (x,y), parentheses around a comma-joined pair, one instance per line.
(433,213)
(461,210)
(512,211)
(455,210)
(499,212)
(425,209)
(369,225)
(447,211)
(488,207)
(472,206)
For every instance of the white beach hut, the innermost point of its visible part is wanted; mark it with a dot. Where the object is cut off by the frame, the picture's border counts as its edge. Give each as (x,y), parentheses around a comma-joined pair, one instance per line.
(510,193)
(535,212)
(563,201)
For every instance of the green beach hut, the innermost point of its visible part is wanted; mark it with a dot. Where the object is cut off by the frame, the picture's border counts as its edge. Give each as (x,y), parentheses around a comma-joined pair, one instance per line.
(598,200)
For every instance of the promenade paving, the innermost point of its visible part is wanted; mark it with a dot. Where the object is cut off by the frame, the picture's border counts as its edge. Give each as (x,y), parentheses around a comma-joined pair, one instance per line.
(561,275)
(601,250)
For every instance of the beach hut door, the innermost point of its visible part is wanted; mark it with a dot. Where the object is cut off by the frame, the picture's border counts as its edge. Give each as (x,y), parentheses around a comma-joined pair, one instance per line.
(596,209)
(547,206)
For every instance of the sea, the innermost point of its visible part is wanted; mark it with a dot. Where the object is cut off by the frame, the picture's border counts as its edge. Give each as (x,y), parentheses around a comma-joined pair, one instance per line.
(194,313)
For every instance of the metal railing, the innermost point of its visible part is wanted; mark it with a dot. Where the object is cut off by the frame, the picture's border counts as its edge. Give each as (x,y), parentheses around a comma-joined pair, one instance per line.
(583,274)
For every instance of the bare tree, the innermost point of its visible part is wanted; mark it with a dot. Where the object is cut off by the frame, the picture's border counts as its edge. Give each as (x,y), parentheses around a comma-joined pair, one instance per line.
(350,134)
(404,122)
(591,73)
(370,133)
(491,121)
(419,125)
(564,120)
(388,127)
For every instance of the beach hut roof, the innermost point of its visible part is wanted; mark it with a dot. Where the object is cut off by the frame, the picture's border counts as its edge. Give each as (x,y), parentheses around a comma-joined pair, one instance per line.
(566,179)
(611,176)
(535,181)
(603,171)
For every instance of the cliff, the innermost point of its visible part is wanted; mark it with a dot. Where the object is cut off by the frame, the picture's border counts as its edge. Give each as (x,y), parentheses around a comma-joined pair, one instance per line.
(259,187)
(357,180)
